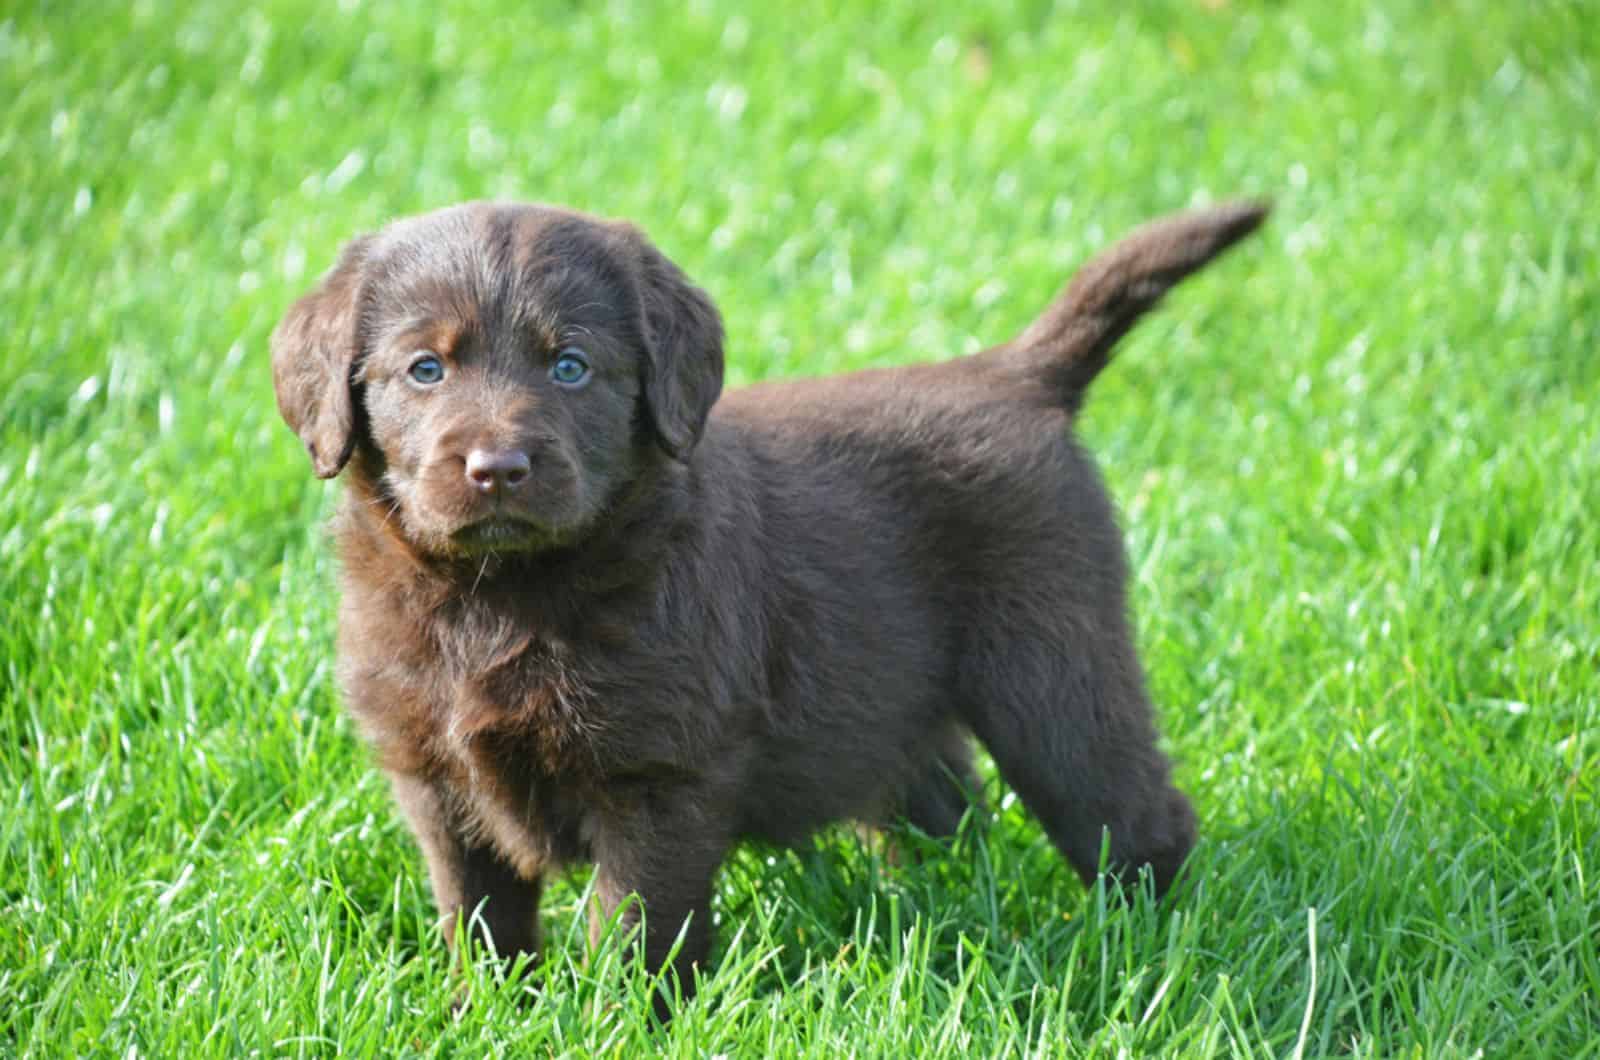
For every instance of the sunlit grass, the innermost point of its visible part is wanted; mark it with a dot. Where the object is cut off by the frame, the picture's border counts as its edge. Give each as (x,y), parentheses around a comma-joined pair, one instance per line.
(1359,463)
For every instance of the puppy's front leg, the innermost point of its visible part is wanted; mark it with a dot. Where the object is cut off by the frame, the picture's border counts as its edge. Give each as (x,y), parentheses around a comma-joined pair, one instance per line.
(470,880)
(662,850)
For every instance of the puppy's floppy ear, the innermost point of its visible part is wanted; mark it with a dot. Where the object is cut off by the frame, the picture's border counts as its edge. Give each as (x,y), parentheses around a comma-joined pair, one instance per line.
(683,340)
(313,356)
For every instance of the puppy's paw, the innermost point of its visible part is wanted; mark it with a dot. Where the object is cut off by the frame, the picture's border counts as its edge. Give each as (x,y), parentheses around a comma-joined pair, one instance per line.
(1161,839)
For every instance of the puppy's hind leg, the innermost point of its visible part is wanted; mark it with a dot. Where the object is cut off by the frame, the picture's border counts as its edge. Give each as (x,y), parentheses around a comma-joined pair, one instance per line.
(1072,732)
(936,800)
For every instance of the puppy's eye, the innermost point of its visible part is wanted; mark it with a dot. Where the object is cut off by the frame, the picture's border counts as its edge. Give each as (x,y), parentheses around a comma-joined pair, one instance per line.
(426,370)
(571,368)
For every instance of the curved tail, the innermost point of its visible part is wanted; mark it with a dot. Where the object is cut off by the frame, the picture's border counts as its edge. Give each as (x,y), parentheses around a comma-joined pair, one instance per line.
(1073,339)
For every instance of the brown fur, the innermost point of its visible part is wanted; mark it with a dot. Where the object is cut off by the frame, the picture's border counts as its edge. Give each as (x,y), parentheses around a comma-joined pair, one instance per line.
(695,621)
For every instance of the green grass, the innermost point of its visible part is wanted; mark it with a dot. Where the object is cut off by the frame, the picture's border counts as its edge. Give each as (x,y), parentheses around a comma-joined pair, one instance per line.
(1359,464)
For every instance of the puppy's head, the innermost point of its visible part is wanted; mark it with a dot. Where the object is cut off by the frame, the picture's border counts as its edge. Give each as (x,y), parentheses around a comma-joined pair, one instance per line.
(505,371)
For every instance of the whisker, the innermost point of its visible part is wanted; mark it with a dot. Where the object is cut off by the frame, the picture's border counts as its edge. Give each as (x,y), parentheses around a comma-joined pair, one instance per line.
(388,506)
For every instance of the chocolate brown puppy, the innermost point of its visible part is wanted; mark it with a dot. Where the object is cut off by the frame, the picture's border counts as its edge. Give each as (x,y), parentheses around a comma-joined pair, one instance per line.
(591,612)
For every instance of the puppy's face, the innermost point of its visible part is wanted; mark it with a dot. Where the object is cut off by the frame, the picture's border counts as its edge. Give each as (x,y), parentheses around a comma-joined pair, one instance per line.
(505,369)
(501,377)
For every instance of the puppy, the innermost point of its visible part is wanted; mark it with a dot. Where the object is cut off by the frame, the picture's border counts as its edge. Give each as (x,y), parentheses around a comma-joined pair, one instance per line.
(591,612)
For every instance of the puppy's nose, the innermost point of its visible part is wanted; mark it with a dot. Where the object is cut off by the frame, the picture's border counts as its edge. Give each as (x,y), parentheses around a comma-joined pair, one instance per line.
(492,472)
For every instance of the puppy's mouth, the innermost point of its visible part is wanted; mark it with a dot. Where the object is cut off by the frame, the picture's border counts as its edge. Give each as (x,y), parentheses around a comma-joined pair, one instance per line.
(499,533)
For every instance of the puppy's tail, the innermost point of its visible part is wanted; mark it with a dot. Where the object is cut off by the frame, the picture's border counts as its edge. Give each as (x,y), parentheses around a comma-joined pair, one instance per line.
(1074,338)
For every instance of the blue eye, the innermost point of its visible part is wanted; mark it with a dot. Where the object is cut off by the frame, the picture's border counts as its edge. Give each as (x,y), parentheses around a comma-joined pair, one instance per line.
(570,369)
(427,370)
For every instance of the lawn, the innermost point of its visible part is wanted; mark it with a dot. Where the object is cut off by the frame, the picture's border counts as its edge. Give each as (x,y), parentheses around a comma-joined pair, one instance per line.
(1358,463)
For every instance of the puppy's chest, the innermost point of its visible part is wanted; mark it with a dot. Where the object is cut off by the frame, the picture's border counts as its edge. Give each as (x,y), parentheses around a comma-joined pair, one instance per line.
(531,730)
(469,691)
(502,717)
(516,703)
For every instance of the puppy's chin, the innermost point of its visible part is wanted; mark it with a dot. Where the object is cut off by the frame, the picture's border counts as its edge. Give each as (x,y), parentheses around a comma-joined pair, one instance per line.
(502,534)
(495,530)
(494,534)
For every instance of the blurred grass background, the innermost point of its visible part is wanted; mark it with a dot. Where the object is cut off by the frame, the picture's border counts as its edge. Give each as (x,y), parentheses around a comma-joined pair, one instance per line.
(1357,463)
